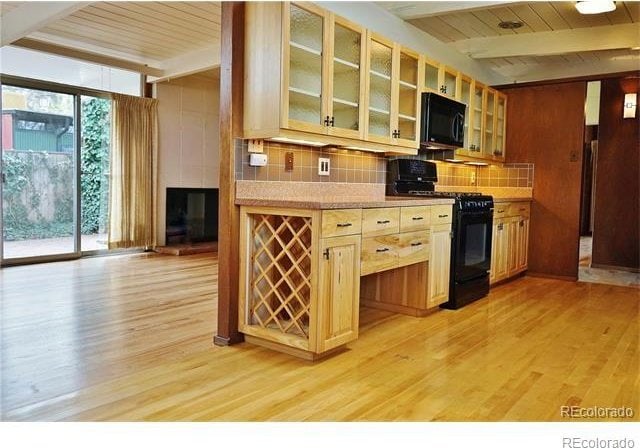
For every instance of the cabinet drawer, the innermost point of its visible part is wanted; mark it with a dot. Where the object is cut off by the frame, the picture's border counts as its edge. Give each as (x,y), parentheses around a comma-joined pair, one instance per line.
(415,218)
(413,247)
(520,209)
(501,210)
(341,222)
(379,253)
(380,221)
(441,214)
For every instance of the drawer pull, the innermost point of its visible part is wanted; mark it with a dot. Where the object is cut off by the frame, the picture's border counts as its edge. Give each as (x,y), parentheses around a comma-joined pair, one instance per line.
(384,249)
(418,218)
(500,211)
(344,224)
(522,209)
(442,216)
(416,244)
(386,221)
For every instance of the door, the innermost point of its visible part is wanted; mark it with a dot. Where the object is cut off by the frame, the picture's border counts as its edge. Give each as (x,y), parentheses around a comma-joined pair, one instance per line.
(431,75)
(488,142)
(513,249)
(522,244)
(338,291)
(439,265)
(500,254)
(475,120)
(464,96)
(449,82)
(379,95)
(500,126)
(347,75)
(39,172)
(304,72)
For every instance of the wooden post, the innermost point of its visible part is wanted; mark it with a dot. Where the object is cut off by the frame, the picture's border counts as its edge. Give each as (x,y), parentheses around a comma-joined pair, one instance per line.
(231,90)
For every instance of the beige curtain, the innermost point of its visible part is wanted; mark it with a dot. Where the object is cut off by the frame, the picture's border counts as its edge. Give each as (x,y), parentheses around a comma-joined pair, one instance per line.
(132,188)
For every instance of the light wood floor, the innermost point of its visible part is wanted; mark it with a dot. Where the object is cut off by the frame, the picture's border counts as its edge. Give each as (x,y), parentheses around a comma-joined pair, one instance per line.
(129,338)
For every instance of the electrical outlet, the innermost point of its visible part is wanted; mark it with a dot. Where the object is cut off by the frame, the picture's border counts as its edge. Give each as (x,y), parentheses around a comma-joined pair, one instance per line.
(324,167)
(256,146)
(288,161)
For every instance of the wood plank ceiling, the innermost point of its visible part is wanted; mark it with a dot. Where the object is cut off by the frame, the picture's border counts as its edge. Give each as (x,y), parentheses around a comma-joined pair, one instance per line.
(467,25)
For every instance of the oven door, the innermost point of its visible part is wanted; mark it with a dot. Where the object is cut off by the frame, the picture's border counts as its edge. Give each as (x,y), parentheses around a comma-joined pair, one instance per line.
(473,246)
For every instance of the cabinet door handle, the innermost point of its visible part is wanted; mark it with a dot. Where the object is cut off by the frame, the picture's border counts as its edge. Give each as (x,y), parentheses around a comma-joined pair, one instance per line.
(500,226)
(386,221)
(384,249)
(442,216)
(522,209)
(521,223)
(418,218)
(331,122)
(500,211)
(326,254)
(326,120)
(344,224)
(416,244)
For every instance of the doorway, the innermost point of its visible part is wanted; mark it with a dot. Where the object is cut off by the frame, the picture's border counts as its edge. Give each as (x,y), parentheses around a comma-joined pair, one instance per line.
(55,181)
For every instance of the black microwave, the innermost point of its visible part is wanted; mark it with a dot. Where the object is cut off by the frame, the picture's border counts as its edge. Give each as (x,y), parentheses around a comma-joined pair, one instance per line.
(442,122)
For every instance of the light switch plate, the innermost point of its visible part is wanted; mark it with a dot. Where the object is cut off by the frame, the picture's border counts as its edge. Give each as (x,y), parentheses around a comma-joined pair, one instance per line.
(256,146)
(257,160)
(324,166)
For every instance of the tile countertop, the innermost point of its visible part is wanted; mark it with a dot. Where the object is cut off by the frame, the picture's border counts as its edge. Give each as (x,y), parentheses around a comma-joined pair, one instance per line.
(518,199)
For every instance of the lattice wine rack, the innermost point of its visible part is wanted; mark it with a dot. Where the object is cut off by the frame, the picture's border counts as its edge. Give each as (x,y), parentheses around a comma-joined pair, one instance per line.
(279,294)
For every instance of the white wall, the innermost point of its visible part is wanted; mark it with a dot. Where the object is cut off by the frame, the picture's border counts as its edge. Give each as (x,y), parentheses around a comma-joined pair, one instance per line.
(378,19)
(188,140)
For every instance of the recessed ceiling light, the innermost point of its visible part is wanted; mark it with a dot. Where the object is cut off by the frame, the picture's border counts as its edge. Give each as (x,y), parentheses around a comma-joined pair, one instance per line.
(509,25)
(595,6)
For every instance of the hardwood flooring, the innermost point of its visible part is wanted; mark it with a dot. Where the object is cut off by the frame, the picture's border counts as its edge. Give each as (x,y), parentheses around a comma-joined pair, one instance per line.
(128,338)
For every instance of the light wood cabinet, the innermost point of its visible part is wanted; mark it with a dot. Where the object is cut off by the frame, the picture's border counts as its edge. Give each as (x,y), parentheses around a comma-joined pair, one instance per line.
(440,78)
(338,292)
(393,97)
(380,221)
(510,241)
(439,264)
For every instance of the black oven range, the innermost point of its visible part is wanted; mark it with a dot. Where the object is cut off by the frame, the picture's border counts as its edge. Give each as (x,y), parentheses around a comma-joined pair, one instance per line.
(471,227)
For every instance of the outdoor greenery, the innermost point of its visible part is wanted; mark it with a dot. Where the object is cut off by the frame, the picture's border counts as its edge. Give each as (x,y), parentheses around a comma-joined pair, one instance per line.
(38,189)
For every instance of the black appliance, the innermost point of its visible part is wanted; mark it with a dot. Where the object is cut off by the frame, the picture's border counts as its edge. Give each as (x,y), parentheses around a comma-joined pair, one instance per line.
(442,122)
(471,227)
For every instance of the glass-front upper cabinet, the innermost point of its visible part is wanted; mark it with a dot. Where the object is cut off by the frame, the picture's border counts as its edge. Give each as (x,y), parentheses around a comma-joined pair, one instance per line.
(305,83)
(408,115)
(464,96)
(347,79)
(380,89)
(489,122)
(431,75)
(499,138)
(475,118)
(449,82)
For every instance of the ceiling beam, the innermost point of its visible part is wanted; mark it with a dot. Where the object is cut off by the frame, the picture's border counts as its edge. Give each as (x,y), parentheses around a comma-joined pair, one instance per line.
(189,63)
(417,10)
(538,72)
(32,16)
(83,55)
(609,37)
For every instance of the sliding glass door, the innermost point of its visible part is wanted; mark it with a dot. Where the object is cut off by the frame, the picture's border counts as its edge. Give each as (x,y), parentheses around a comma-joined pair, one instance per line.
(39,173)
(55,183)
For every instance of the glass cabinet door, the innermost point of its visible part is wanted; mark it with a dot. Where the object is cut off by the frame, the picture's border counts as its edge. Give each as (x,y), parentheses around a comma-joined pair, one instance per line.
(465,97)
(448,86)
(408,100)
(489,121)
(346,76)
(501,110)
(380,71)
(431,73)
(475,117)
(305,69)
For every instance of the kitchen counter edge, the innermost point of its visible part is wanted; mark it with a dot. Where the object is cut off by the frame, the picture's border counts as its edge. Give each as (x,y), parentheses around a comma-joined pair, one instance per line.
(331,204)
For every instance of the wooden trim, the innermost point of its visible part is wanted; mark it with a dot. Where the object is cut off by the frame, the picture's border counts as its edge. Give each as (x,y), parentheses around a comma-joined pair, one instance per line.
(231,97)
(302,354)
(400,309)
(632,74)
(568,278)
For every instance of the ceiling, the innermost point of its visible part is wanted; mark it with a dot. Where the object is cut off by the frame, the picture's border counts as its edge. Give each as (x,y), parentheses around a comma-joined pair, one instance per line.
(174,38)
(555,40)
(165,37)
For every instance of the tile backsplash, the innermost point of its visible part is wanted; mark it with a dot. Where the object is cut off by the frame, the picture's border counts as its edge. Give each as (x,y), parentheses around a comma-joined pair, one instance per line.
(349,166)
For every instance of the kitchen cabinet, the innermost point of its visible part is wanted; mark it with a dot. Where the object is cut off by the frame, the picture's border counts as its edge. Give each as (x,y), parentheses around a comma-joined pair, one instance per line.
(510,240)
(440,78)
(301,270)
(439,265)
(393,97)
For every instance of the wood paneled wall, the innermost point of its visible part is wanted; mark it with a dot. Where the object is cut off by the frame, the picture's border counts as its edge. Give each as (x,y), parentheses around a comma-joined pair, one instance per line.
(546,128)
(616,239)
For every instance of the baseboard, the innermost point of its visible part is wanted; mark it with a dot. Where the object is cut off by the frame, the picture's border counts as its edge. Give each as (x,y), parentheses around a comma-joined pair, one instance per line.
(568,278)
(614,268)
